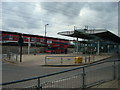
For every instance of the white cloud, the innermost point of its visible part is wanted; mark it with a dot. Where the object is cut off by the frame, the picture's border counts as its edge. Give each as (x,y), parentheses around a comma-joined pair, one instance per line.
(38,9)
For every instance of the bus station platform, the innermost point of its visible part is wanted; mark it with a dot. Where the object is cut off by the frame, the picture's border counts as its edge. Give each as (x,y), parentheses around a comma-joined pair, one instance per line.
(58,59)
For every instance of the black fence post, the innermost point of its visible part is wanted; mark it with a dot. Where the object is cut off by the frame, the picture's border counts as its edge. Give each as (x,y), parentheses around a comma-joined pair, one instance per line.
(45,60)
(83,76)
(16,57)
(61,60)
(20,53)
(20,42)
(114,71)
(85,59)
(89,58)
(9,55)
(39,86)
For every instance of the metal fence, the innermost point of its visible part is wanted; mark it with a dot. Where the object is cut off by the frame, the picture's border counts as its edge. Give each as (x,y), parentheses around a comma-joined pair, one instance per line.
(80,77)
(59,60)
(10,57)
(67,60)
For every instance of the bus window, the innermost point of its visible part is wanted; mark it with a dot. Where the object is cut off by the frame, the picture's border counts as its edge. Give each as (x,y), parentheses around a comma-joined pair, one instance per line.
(33,39)
(15,38)
(49,42)
(5,37)
(10,37)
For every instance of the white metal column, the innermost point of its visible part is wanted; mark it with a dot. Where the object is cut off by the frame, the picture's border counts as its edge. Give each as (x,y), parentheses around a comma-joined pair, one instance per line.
(29,45)
(77,46)
(98,47)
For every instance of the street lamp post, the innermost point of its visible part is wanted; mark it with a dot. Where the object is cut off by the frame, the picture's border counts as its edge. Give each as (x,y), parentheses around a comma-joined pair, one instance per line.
(45,35)
(45,29)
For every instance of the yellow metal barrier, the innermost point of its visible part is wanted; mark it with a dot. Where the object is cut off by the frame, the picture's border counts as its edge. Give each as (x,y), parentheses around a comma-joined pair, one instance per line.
(78,59)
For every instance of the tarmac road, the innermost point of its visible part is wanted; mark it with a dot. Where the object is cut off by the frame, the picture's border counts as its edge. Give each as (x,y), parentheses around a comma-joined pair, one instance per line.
(12,72)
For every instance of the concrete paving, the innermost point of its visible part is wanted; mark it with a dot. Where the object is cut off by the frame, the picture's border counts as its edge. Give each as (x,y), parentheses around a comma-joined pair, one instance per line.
(32,60)
(110,84)
(37,60)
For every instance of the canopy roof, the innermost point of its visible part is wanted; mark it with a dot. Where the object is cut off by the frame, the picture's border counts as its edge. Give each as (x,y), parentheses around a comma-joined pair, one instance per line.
(92,34)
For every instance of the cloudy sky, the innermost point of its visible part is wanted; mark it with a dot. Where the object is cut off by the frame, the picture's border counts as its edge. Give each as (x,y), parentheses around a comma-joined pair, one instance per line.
(31,17)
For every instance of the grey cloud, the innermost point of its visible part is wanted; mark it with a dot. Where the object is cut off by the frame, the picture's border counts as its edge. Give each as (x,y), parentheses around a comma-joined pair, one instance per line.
(104,10)
(69,9)
(103,6)
(22,15)
(24,12)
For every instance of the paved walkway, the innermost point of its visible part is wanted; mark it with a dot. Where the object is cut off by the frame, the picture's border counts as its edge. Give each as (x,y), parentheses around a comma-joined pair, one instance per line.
(110,84)
(32,60)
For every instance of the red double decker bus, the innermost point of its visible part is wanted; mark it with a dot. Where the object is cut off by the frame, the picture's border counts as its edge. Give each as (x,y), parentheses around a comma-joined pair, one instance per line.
(51,45)
(56,46)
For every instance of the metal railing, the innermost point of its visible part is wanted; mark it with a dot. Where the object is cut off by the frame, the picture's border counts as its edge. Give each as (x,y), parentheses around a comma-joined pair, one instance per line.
(10,57)
(67,60)
(58,59)
(79,77)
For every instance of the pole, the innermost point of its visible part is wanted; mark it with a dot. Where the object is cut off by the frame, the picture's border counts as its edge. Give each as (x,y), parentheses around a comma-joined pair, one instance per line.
(61,60)
(98,51)
(20,53)
(108,47)
(29,45)
(74,28)
(45,60)
(114,71)
(77,45)
(45,35)
(45,30)
(39,88)
(83,76)
(20,42)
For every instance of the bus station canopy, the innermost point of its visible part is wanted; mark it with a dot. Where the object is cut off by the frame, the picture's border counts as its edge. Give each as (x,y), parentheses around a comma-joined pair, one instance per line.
(92,34)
